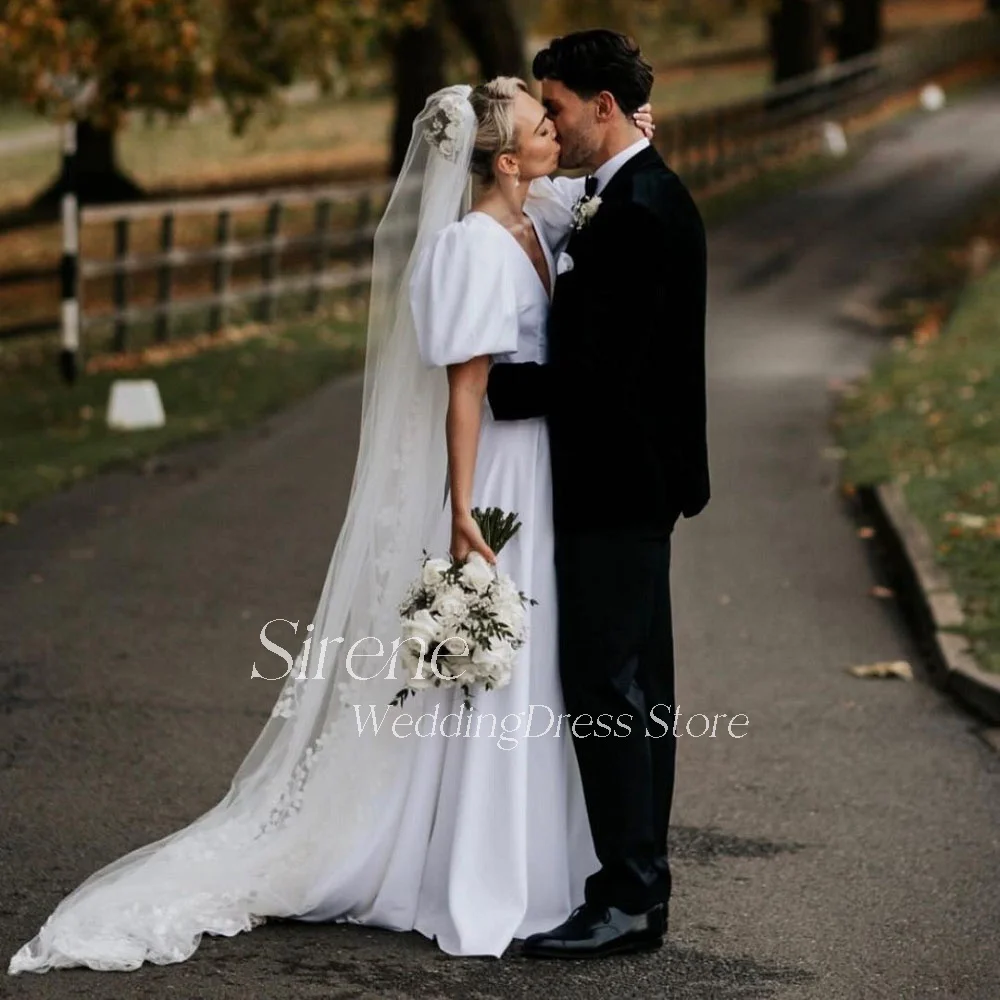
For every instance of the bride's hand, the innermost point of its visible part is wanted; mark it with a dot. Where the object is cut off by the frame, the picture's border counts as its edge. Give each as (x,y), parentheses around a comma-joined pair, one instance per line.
(466,537)
(644,120)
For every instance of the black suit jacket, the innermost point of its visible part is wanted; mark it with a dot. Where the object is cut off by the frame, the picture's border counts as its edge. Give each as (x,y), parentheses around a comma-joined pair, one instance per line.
(624,386)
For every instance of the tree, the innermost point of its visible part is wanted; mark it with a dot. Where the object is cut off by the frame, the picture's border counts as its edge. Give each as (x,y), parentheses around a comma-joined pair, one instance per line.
(860,29)
(417,70)
(797,31)
(131,53)
(488,27)
(169,55)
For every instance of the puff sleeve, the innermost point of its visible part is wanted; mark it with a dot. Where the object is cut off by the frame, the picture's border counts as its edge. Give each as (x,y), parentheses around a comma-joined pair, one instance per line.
(462,296)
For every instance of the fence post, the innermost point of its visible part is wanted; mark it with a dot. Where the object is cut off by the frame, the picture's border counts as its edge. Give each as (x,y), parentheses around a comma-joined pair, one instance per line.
(70,264)
(164,277)
(219,312)
(121,282)
(321,252)
(269,268)
(362,247)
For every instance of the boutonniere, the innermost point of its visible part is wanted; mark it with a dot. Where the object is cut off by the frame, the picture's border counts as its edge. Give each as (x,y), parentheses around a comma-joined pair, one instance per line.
(584,210)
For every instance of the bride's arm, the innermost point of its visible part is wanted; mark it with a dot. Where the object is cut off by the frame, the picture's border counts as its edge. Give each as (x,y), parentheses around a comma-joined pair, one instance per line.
(466,390)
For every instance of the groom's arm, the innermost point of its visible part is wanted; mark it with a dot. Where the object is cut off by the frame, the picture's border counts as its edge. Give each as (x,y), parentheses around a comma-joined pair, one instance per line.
(520,391)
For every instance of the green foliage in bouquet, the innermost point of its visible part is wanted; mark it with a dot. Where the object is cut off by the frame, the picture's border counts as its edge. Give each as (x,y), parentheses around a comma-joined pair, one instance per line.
(498,528)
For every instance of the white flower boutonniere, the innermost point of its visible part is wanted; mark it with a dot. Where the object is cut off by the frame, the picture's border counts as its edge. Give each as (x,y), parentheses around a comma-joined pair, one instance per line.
(584,210)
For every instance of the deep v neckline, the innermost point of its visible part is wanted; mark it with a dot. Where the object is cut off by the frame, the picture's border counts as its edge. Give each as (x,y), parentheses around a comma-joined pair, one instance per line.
(546,253)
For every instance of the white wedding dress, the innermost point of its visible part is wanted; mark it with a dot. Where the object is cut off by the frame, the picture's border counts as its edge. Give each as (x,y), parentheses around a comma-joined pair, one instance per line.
(489,841)
(471,839)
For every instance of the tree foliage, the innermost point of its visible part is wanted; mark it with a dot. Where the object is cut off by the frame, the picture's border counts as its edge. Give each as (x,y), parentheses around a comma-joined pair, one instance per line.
(171,54)
(132,53)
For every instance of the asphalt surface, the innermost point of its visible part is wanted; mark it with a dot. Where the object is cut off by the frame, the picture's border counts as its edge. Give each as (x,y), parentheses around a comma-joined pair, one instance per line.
(848,846)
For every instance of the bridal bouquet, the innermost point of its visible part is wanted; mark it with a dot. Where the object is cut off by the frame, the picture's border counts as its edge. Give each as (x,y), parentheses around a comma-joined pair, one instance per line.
(462,622)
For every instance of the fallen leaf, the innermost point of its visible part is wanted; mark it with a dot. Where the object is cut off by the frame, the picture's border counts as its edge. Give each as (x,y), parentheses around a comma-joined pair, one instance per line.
(8,517)
(882,592)
(929,328)
(884,669)
(866,532)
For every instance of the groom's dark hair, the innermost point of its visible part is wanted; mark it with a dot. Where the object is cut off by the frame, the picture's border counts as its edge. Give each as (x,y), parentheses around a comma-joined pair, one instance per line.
(588,62)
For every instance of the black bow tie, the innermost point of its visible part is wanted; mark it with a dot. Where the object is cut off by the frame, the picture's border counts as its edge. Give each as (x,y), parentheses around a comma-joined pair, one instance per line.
(590,186)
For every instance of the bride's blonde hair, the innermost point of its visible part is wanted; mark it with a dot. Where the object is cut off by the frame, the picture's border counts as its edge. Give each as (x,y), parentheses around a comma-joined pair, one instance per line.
(493,103)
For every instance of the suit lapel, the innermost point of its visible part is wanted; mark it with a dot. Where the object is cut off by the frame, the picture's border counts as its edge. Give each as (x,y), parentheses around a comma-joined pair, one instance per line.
(616,189)
(582,241)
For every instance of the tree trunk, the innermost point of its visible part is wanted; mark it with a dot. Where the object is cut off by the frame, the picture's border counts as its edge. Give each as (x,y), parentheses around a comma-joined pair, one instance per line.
(492,32)
(797,31)
(99,178)
(417,71)
(860,28)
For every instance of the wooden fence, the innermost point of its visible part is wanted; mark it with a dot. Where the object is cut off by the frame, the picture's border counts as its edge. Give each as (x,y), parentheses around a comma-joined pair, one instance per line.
(199,263)
(160,269)
(723,146)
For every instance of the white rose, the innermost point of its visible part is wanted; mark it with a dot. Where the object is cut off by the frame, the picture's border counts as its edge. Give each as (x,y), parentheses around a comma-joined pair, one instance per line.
(453,658)
(421,633)
(451,604)
(492,663)
(434,571)
(511,614)
(477,573)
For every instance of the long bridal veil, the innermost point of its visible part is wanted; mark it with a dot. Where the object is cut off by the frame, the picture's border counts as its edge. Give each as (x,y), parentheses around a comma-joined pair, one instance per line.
(257,853)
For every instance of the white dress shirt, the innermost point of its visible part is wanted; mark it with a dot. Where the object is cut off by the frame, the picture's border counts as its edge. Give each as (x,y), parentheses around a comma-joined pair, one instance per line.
(609,168)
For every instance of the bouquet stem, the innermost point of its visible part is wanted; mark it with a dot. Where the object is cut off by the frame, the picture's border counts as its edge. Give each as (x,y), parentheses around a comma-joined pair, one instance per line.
(497,527)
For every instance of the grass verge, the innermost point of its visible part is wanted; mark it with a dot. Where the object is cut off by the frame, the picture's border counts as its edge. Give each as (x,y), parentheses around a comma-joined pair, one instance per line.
(54,435)
(929,415)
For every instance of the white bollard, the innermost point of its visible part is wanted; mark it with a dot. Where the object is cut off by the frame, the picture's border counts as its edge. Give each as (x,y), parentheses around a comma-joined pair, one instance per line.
(834,139)
(932,98)
(135,405)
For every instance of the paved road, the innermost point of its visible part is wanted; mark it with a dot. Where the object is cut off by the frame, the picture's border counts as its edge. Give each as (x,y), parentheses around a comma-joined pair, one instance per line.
(847,847)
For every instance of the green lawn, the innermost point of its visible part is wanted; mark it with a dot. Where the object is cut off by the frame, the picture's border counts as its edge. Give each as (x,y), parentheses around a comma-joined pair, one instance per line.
(930,414)
(53,434)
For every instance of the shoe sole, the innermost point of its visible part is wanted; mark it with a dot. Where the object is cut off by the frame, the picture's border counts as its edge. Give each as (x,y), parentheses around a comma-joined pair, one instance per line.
(623,949)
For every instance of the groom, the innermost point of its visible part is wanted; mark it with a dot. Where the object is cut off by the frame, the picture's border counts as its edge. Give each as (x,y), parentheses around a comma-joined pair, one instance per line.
(624,394)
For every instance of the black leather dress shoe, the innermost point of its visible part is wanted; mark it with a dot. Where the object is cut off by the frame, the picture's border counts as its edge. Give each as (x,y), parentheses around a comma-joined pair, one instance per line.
(595,931)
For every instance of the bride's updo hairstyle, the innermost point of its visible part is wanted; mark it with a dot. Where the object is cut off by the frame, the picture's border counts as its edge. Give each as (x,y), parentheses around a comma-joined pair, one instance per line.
(493,103)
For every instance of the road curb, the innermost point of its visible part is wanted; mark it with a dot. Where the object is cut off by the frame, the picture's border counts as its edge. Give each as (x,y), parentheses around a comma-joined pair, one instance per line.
(933,608)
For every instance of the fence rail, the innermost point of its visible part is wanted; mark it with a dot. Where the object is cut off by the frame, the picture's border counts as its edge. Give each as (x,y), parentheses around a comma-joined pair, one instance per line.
(242,247)
(723,145)
(152,262)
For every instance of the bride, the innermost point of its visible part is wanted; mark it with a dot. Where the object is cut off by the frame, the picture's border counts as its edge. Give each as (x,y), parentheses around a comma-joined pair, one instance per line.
(472,837)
